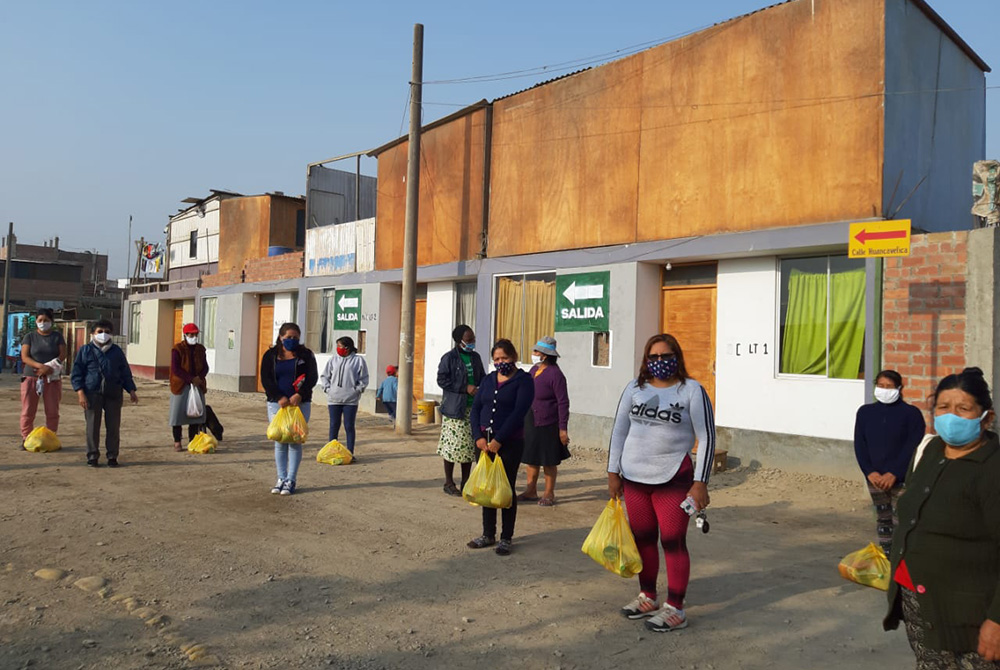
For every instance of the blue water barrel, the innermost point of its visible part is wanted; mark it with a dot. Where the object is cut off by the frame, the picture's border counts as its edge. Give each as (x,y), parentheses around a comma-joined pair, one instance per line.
(277,251)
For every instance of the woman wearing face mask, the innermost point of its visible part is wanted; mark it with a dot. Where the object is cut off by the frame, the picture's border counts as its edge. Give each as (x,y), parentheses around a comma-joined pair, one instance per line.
(497,419)
(459,374)
(42,353)
(100,376)
(886,433)
(188,369)
(660,416)
(288,373)
(344,379)
(545,436)
(946,550)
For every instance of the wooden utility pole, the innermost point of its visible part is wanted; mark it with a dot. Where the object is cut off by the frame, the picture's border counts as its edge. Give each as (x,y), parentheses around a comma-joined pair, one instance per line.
(8,262)
(404,407)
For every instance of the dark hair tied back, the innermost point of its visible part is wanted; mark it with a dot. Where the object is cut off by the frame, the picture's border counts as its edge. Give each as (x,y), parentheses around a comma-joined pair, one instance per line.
(459,333)
(971,381)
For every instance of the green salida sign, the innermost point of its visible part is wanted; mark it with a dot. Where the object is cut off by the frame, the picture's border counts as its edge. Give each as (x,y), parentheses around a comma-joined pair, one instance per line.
(347,309)
(582,301)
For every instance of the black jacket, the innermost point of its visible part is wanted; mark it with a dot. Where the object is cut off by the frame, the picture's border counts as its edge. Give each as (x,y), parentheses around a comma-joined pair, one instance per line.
(453,380)
(305,364)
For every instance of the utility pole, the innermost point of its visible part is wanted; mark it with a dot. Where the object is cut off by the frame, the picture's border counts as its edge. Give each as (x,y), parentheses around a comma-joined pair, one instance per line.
(126,324)
(8,262)
(404,411)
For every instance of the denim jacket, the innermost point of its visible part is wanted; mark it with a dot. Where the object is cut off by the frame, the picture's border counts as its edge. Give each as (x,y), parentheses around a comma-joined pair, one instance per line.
(93,366)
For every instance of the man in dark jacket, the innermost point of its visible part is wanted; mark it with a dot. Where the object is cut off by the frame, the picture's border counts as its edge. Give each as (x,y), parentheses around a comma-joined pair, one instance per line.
(100,377)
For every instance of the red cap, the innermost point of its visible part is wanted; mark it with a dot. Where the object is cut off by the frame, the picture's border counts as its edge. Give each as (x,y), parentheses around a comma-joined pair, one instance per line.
(190,329)
(390,369)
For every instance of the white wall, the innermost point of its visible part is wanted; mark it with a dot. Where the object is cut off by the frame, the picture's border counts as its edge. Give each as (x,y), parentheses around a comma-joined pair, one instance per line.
(283,314)
(208,236)
(749,392)
(440,323)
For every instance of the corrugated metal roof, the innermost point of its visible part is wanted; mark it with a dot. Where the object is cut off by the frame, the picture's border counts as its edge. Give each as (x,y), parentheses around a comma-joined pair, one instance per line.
(543,83)
(428,126)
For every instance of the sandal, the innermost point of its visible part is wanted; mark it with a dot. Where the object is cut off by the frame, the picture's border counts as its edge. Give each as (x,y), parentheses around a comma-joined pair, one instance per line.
(504,548)
(546,502)
(481,542)
(524,497)
(452,490)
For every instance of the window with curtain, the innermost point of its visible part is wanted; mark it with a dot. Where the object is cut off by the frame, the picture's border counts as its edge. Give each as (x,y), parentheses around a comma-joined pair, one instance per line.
(465,304)
(319,320)
(822,317)
(525,309)
(208,312)
(134,320)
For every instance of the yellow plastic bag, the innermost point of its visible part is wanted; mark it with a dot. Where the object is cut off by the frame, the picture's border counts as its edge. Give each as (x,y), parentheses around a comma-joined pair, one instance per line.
(868,567)
(334,453)
(42,439)
(288,426)
(488,485)
(203,443)
(611,542)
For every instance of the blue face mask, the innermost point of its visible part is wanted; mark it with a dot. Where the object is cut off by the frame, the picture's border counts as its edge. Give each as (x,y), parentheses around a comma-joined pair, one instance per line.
(662,369)
(290,343)
(957,431)
(469,346)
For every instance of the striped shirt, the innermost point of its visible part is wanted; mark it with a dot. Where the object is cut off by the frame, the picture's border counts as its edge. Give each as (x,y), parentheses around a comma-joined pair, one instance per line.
(656,427)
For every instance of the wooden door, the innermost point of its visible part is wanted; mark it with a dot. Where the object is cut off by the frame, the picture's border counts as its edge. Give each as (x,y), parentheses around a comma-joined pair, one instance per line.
(178,323)
(265,331)
(419,337)
(689,315)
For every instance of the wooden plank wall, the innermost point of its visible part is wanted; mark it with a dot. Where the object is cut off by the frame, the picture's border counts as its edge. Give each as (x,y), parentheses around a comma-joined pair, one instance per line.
(244,225)
(451,188)
(765,121)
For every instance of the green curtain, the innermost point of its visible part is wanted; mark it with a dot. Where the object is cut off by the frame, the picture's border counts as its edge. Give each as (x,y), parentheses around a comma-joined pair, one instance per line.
(803,345)
(847,323)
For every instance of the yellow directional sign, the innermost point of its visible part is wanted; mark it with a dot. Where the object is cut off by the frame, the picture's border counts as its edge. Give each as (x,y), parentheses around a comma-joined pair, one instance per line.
(879,239)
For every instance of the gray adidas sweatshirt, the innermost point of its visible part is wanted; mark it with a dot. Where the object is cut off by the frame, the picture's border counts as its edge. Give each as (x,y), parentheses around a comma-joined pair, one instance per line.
(344,379)
(656,427)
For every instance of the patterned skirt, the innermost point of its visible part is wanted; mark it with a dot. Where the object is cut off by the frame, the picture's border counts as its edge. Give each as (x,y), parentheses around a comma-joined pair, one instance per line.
(456,444)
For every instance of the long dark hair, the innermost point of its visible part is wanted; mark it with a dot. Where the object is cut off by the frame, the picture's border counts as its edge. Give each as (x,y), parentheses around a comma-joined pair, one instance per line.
(285,327)
(969,380)
(645,375)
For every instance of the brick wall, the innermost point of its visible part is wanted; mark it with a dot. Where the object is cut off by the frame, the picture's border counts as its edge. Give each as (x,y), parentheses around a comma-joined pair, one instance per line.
(269,268)
(923,312)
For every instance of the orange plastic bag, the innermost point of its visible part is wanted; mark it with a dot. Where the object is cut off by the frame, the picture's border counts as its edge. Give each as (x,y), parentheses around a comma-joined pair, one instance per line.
(288,426)
(611,543)
(868,567)
(42,439)
(488,485)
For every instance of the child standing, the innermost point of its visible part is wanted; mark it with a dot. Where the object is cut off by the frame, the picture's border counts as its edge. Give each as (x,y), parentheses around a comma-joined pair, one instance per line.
(100,376)
(387,391)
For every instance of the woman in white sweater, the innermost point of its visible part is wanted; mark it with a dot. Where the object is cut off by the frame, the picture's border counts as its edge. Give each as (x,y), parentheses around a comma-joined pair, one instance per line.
(661,415)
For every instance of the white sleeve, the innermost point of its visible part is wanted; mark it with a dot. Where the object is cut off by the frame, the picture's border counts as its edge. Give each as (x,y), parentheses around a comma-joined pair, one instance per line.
(703,420)
(620,430)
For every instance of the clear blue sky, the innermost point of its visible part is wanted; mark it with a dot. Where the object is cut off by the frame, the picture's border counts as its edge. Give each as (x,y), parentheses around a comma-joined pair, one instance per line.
(118,108)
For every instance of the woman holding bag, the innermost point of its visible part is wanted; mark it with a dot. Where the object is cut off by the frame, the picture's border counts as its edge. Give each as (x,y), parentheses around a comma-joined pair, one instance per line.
(188,370)
(288,373)
(660,415)
(497,418)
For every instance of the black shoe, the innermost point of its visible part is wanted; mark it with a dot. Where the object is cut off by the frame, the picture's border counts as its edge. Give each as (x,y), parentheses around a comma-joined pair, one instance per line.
(112,462)
(504,548)
(92,462)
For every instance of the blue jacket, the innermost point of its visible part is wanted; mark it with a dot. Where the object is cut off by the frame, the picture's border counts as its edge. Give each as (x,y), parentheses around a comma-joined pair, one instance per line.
(885,437)
(502,409)
(387,389)
(92,364)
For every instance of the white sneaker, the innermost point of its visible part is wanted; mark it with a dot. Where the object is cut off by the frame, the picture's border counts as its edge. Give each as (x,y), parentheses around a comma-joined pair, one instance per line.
(667,619)
(640,608)
(287,487)
(277,487)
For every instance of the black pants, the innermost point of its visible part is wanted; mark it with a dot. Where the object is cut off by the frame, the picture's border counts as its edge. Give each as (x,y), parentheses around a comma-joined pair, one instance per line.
(193,429)
(511,455)
(111,408)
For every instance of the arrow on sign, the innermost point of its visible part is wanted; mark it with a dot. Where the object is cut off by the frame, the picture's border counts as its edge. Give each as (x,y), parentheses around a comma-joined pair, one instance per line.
(345,302)
(574,292)
(864,236)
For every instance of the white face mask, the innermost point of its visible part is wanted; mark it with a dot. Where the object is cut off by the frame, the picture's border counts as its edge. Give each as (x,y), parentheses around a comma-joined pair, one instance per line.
(886,396)
(44,326)
(102,338)
(535,359)
(191,339)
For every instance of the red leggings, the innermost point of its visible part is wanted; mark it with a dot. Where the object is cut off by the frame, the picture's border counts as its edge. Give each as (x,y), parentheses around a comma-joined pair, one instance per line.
(655,511)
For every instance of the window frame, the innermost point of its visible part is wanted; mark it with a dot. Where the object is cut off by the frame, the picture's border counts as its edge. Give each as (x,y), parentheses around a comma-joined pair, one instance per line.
(134,322)
(611,349)
(193,244)
(208,329)
(493,308)
(778,374)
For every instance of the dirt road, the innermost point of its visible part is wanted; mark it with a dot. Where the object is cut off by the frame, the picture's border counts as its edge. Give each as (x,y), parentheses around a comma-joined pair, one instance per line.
(366,566)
